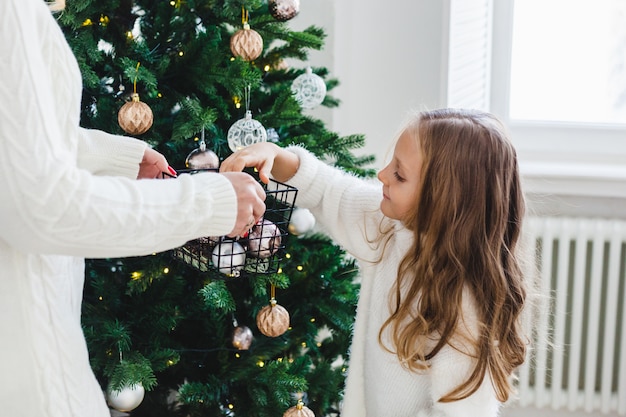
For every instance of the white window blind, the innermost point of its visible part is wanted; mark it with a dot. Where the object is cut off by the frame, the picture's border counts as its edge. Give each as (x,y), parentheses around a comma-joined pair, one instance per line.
(469,56)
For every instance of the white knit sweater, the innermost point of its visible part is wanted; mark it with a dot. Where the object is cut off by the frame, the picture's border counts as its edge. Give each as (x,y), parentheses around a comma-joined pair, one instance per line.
(68,193)
(377,385)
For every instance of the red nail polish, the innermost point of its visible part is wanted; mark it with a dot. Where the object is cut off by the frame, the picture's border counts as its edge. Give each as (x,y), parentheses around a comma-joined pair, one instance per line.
(172,170)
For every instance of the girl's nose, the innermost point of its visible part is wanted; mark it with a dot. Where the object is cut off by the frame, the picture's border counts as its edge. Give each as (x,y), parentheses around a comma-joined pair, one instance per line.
(381,174)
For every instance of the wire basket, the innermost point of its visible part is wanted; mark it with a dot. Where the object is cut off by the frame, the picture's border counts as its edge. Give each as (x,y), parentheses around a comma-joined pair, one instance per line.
(260,251)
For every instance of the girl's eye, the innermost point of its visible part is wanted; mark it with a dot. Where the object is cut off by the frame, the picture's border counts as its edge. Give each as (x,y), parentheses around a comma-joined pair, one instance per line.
(398,177)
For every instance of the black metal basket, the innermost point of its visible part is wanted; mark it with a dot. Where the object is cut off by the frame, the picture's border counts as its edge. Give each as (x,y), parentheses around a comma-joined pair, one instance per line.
(259,252)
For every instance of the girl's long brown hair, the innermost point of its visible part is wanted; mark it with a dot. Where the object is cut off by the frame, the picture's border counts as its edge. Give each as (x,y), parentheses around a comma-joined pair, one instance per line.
(466,223)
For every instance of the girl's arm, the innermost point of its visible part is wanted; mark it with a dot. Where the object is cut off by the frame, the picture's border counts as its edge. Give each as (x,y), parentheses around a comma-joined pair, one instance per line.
(345,207)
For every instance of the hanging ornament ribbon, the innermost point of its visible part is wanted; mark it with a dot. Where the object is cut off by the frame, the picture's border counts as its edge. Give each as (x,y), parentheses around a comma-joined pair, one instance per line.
(246,131)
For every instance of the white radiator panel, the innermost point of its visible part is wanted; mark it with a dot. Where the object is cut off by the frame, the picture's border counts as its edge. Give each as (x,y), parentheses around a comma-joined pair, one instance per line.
(578,361)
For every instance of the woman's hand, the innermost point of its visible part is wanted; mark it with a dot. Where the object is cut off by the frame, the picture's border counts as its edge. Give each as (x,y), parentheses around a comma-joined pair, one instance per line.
(250,201)
(267,158)
(153,165)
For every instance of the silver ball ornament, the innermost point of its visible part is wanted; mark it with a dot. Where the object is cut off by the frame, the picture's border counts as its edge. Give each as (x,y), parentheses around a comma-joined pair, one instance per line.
(242,337)
(264,239)
(202,159)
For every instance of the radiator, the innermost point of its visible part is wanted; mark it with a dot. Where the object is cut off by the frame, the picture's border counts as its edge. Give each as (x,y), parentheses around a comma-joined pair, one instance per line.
(578,361)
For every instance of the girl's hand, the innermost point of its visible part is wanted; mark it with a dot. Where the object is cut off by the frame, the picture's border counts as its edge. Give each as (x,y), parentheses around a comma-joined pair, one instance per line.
(267,158)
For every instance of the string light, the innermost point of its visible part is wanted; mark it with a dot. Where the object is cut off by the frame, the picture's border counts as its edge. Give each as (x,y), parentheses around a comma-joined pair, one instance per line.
(129,35)
(312,320)
(104,20)
(288,255)
(136,275)
(166,270)
(260,364)
(299,267)
(181,53)
(231,406)
(87,22)
(267,68)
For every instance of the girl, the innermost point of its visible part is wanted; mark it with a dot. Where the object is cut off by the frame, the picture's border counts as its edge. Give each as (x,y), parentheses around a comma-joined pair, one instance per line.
(437,330)
(69,193)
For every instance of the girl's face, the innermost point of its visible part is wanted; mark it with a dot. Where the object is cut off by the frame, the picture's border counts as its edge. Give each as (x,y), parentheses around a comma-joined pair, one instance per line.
(401,178)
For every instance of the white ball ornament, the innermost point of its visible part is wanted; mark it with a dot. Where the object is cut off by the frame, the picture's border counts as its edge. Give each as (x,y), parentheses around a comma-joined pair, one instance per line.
(302,221)
(245,132)
(229,257)
(127,399)
(309,89)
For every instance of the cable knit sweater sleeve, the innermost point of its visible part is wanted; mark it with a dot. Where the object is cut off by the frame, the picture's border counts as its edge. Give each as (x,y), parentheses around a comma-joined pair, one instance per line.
(346,206)
(51,201)
(104,154)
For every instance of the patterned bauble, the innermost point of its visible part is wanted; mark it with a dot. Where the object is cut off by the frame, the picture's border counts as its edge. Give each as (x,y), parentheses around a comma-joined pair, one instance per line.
(135,117)
(126,399)
(301,222)
(264,239)
(245,132)
(242,337)
(272,320)
(284,9)
(229,257)
(309,89)
(246,43)
(202,158)
(299,410)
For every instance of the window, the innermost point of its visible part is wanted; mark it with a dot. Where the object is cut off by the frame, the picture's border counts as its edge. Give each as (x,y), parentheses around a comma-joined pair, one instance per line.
(568,61)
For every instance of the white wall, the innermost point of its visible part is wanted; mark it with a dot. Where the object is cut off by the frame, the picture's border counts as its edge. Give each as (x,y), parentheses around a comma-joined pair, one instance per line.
(387,58)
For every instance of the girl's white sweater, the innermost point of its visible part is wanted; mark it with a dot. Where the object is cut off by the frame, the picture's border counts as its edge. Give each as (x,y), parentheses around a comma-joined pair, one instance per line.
(347,208)
(69,193)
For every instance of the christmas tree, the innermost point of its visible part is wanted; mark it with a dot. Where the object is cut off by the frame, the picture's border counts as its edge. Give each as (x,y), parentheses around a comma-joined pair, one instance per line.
(159,323)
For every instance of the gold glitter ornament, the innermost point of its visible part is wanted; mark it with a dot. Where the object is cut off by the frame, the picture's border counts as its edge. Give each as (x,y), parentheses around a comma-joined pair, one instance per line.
(135,117)
(273,319)
(283,10)
(299,410)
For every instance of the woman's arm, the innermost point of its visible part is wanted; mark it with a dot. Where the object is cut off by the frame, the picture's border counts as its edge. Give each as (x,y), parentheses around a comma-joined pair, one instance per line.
(50,203)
